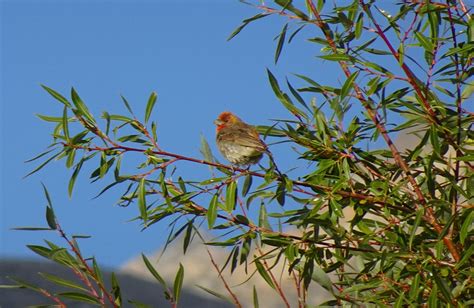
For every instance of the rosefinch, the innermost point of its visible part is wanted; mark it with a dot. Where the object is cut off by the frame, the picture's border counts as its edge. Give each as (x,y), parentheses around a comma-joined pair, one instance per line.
(238,142)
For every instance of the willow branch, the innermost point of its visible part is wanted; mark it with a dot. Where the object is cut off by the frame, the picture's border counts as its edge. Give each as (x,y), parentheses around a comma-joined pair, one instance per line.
(429,214)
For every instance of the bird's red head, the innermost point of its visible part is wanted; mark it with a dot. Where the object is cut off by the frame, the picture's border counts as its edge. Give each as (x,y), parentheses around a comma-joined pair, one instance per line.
(225,119)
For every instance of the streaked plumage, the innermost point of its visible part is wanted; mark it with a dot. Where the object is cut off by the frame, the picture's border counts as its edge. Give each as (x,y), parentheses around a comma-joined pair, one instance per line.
(238,142)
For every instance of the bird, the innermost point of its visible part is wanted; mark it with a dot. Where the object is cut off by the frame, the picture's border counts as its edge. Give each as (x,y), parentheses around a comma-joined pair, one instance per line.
(238,141)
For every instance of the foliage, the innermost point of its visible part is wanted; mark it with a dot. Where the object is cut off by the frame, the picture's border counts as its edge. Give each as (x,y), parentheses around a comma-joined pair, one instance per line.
(381,227)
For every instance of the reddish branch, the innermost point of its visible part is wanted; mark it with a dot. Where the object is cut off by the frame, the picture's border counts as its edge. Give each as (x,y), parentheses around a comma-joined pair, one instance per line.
(52,297)
(88,270)
(367,198)
(226,285)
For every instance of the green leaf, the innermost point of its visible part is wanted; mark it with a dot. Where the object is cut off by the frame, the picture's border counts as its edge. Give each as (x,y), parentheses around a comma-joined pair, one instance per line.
(359,25)
(50,118)
(39,156)
(63,282)
(231,196)
(247,184)
(116,291)
(419,215)
(281,42)
(346,88)
(153,271)
(255,298)
(214,293)
(206,151)
(433,300)
(187,236)
(424,41)
(442,285)
(244,24)
(43,164)
(415,288)
(281,193)
(150,105)
(81,107)
(142,200)
(80,297)
(46,194)
(57,96)
(322,278)
(31,229)
(284,99)
(24,284)
(65,124)
(50,218)
(401,54)
(274,84)
(296,95)
(399,302)
(465,256)
(466,226)
(263,272)
(212,211)
(263,218)
(127,105)
(70,158)
(40,250)
(178,283)
(286,5)
(293,35)
(73,178)
(338,57)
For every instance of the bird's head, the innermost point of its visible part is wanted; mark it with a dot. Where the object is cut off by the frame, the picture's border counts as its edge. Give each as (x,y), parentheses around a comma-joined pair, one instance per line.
(225,119)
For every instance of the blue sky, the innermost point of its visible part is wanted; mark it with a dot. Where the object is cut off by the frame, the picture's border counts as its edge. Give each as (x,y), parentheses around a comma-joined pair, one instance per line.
(110,48)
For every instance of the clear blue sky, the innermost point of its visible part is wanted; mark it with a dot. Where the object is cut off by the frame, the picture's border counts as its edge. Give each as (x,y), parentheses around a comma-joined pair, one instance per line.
(108,48)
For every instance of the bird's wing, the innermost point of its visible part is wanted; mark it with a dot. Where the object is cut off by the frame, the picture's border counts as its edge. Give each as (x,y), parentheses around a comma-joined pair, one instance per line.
(244,136)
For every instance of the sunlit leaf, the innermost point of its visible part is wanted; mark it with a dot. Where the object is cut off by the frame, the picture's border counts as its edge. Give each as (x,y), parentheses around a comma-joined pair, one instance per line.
(150,105)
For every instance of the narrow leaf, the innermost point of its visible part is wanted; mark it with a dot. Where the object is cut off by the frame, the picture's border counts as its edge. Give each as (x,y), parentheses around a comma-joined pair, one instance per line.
(57,96)
(46,194)
(419,214)
(50,218)
(322,278)
(212,211)
(178,283)
(214,293)
(142,200)
(466,226)
(65,124)
(153,271)
(247,184)
(81,107)
(127,105)
(74,175)
(43,164)
(63,282)
(281,42)
(244,24)
(231,196)
(150,105)
(263,272)
(80,297)
(346,88)
(255,298)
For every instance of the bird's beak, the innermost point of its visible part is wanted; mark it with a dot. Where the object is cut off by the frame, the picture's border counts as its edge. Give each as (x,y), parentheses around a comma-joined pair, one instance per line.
(218,122)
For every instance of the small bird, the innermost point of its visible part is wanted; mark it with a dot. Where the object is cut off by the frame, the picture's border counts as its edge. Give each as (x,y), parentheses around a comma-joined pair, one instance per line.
(238,142)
